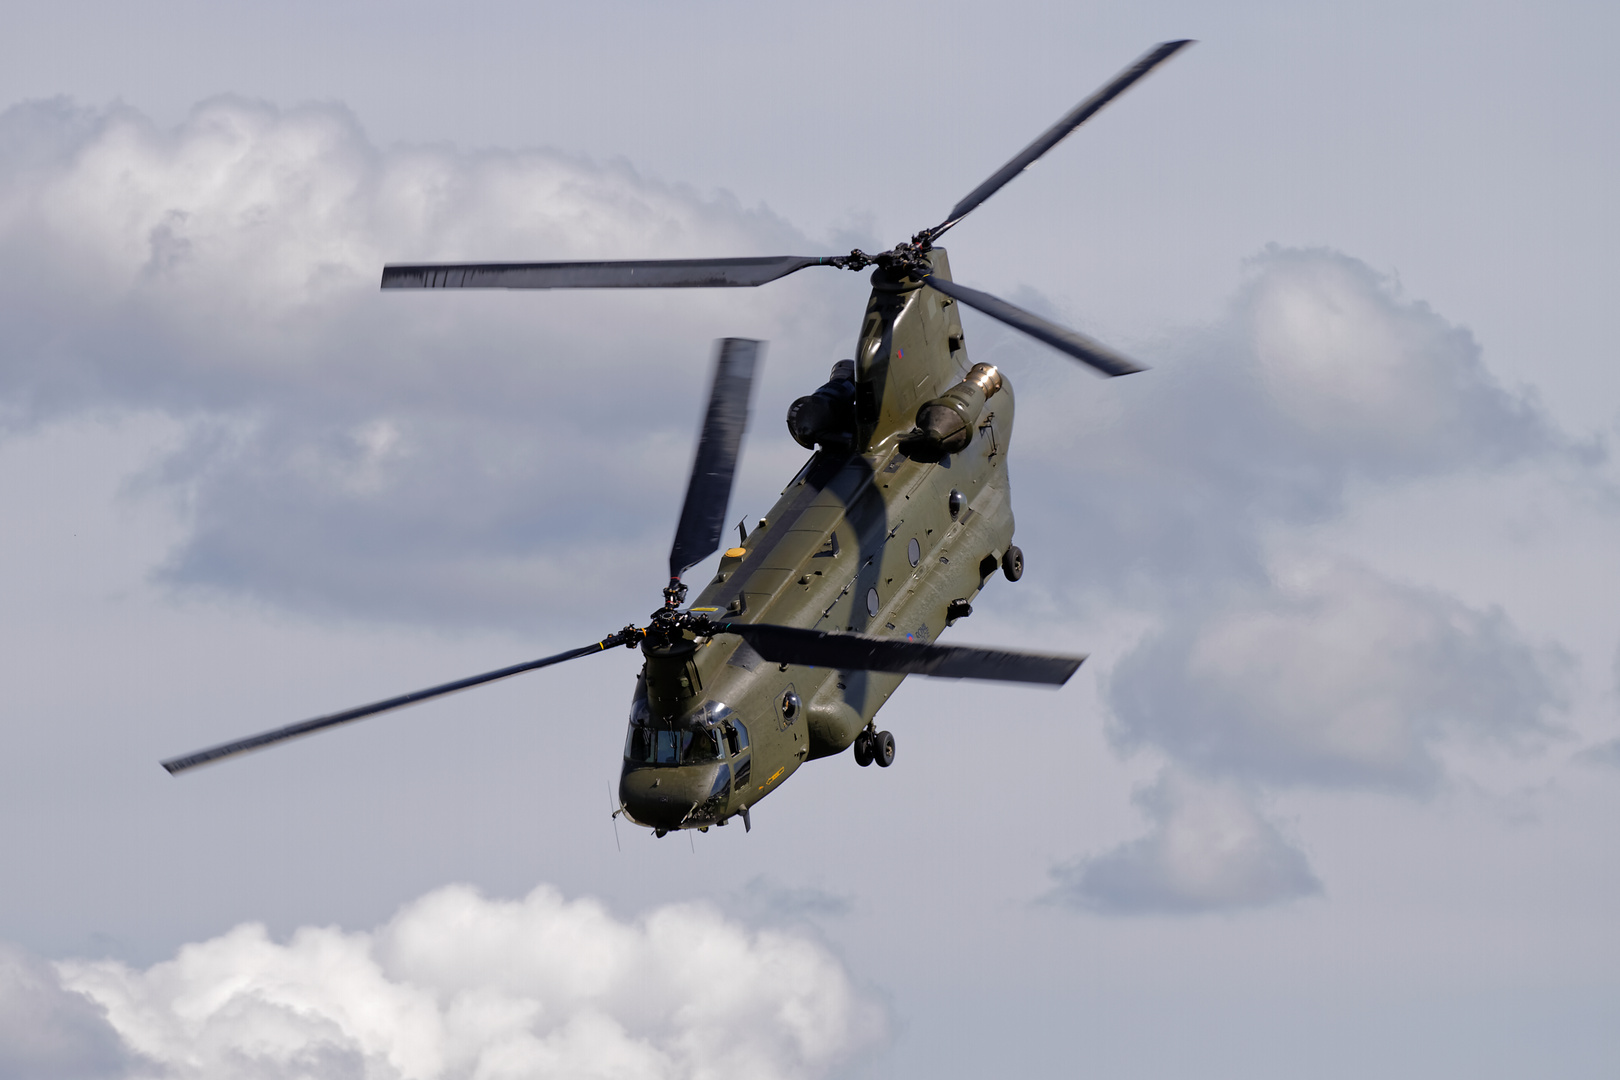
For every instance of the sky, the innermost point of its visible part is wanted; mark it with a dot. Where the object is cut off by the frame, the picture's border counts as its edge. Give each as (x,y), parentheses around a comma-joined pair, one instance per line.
(1333,797)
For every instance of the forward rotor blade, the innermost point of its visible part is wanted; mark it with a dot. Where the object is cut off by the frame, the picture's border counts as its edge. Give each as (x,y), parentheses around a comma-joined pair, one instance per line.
(1063,339)
(1056,133)
(709,491)
(862,652)
(643,274)
(321,723)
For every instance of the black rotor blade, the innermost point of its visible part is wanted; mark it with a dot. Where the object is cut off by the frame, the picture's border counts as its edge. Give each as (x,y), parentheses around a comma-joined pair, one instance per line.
(321,723)
(642,274)
(708,492)
(862,652)
(1063,339)
(1056,133)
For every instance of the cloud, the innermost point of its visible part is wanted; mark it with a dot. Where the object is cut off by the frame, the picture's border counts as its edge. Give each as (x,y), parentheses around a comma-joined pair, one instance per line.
(483,458)
(487,459)
(1197,493)
(767,900)
(1207,849)
(1373,382)
(403,456)
(1604,753)
(457,985)
(48,1032)
(1342,679)
(1322,374)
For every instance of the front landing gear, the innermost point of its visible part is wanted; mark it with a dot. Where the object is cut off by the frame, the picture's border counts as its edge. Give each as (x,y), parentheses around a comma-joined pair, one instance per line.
(875,746)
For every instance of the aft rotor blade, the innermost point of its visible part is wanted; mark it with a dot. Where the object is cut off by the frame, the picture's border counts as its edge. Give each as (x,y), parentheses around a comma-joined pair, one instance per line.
(862,652)
(708,492)
(642,274)
(1063,339)
(1056,133)
(321,723)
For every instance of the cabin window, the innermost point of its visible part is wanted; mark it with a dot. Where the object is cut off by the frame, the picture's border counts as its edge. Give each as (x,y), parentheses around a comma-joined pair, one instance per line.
(914,551)
(736,737)
(872,602)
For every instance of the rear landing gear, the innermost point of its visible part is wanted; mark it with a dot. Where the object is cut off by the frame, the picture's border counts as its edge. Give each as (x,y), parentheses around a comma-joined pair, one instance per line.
(873,746)
(1012,563)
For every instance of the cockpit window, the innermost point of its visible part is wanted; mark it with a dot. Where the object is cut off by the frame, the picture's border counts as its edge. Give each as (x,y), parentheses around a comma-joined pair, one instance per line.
(663,746)
(736,736)
(654,744)
(701,745)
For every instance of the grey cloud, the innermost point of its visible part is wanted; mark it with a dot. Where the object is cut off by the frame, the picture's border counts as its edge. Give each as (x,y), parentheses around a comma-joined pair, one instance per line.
(433,457)
(442,457)
(48,1032)
(1322,373)
(770,901)
(1604,753)
(1208,848)
(1344,679)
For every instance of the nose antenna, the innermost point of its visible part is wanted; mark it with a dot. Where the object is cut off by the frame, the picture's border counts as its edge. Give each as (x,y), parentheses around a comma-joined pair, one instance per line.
(614,817)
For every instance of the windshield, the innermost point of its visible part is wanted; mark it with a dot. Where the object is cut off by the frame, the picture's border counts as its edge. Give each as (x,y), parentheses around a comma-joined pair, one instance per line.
(663,746)
(701,739)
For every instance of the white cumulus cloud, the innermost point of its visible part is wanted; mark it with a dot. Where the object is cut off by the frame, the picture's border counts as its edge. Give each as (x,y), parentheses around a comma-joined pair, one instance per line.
(457,985)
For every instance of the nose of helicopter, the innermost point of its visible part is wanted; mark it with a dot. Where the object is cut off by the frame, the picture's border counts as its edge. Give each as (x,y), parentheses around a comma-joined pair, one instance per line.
(665,797)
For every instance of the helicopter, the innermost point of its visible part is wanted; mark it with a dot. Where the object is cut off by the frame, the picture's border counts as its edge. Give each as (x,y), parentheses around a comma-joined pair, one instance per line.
(881,541)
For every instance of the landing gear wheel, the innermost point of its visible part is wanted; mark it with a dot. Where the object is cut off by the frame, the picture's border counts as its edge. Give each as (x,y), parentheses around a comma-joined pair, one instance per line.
(864,749)
(883,749)
(1012,563)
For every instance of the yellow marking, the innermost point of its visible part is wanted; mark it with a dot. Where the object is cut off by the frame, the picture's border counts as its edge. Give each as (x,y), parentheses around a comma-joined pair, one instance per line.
(773,777)
(703,609)
(736,552)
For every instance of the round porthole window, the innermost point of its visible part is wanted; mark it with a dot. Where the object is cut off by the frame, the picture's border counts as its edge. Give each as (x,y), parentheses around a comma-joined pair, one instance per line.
(790,705)
(872,602)
(914,551)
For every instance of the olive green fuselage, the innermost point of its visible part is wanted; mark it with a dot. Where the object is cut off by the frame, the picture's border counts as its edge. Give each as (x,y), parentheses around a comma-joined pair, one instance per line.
(864,539)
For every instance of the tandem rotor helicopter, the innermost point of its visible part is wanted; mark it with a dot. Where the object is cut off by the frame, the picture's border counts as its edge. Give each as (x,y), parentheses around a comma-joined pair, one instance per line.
(881,541)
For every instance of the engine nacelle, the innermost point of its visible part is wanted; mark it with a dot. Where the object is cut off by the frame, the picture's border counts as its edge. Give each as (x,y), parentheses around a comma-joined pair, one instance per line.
(827,416)
(945,424)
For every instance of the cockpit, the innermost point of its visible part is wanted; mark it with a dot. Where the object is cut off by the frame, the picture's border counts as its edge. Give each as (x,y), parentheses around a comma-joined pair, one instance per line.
(715,733)
(682,774)
(661,746)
